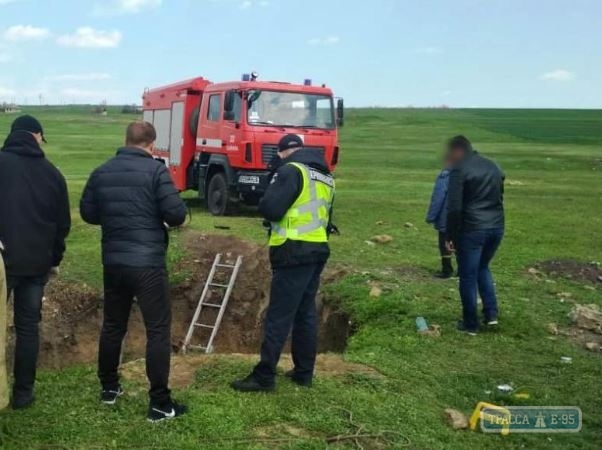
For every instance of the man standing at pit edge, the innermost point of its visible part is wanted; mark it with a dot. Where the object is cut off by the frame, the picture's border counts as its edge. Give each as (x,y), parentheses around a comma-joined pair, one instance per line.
(35,220)
(298,203)
(475,227)
(131,197)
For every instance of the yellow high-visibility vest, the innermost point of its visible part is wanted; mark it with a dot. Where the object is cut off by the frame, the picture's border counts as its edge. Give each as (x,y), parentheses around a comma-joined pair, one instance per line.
(307,219)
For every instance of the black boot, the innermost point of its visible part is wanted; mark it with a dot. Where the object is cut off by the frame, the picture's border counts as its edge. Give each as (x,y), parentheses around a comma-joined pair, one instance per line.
(251,384)
(447,270)
(295,379)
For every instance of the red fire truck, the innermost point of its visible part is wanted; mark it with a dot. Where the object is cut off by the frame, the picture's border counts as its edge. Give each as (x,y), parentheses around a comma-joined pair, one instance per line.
(218,138)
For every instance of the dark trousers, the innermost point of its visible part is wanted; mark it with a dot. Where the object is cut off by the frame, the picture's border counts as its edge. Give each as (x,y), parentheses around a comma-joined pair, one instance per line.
(446,255)
(150,288)
(292,306)
(476,249)
(28,293)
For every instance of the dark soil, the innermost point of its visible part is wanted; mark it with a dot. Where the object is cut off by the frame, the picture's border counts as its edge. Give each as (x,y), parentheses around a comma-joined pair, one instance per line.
(72,313)
(571,269)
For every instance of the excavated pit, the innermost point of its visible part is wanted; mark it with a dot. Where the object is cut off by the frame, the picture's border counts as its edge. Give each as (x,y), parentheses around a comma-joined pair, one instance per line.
(72,313)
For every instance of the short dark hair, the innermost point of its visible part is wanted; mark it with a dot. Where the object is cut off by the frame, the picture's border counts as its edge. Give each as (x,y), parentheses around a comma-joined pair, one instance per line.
(460,142)
(140,133)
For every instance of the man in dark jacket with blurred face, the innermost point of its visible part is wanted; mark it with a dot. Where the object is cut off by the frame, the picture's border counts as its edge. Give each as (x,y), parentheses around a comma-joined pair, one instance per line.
(475,228)
(132,198)
(34,222)
(298,206)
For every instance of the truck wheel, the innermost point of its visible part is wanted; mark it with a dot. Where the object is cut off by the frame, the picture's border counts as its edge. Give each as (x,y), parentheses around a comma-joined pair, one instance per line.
(217,195)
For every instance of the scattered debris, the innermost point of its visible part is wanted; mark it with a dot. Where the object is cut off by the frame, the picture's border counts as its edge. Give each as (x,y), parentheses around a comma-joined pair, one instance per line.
(381,239)
(566,360)
(593,346)
(421,324)
(522,395)
(587,317)
(456,419)
(514,183)
(408,225)
(552,328)
(432,331)
(504,388)
(375,291)
(380,222)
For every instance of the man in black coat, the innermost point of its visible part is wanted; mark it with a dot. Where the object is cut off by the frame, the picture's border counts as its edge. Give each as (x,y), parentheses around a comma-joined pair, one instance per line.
(35,220)
(298,205)
(475,227)
(132,198)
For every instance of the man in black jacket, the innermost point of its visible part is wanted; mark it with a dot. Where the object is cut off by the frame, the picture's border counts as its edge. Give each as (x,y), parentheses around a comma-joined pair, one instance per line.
(475,227)
(35,220)
(132,197)
(298,204)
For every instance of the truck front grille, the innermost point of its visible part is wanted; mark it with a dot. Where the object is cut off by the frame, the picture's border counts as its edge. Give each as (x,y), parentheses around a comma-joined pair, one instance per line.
(268,151)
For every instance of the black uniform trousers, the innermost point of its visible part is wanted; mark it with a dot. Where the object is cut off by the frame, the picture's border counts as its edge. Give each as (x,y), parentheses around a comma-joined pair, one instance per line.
(150,288)
(28,293)
(292,306)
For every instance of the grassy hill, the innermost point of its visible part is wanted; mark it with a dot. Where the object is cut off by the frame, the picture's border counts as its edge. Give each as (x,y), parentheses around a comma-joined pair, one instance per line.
(389,161)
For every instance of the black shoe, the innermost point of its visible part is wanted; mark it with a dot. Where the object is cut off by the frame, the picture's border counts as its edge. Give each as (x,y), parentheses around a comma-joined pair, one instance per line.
(109,396)
(491,323)
(444,274)
(292,375)
(22,401)
(168,411)
(461,327)
(251,384)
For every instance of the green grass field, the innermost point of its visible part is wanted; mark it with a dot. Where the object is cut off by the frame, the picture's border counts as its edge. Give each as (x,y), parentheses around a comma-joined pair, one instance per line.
(390,159)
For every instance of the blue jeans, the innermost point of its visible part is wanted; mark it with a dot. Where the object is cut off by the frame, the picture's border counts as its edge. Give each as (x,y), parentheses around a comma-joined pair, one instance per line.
(28,293)
(475,251)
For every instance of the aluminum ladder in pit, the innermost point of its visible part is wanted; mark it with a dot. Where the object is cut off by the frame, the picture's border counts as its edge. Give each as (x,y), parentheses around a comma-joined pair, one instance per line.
(211,286)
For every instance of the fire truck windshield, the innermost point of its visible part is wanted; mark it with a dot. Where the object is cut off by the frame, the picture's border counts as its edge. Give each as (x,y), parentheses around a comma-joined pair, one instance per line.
(290,109)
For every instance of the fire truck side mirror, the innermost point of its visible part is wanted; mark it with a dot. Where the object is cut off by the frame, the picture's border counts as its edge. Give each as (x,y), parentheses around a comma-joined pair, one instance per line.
(340,112)
(229,105)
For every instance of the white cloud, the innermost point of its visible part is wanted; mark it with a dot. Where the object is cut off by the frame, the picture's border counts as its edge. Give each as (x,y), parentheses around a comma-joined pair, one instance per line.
(558,75)
(6,92)
(247,4)
(329,40)
(87,37)
(121,7)
(92,76)
(18,33)
(83,94)
(6,2)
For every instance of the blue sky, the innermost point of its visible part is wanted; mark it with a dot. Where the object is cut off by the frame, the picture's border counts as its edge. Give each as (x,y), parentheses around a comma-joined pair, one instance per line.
(463,53)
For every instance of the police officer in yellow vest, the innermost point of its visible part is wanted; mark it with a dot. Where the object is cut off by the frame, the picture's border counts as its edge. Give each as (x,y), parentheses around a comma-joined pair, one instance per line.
(298,204)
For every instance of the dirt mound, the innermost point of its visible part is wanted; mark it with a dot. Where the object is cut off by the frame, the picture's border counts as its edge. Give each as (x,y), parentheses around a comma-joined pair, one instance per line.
(72,313)
(572,269)
(184,367)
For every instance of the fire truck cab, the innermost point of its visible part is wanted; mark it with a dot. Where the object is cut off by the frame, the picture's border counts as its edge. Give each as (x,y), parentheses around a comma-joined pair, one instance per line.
(219,138)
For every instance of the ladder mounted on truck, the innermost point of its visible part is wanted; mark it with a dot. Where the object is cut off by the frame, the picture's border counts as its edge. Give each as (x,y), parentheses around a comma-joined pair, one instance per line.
(210,288)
